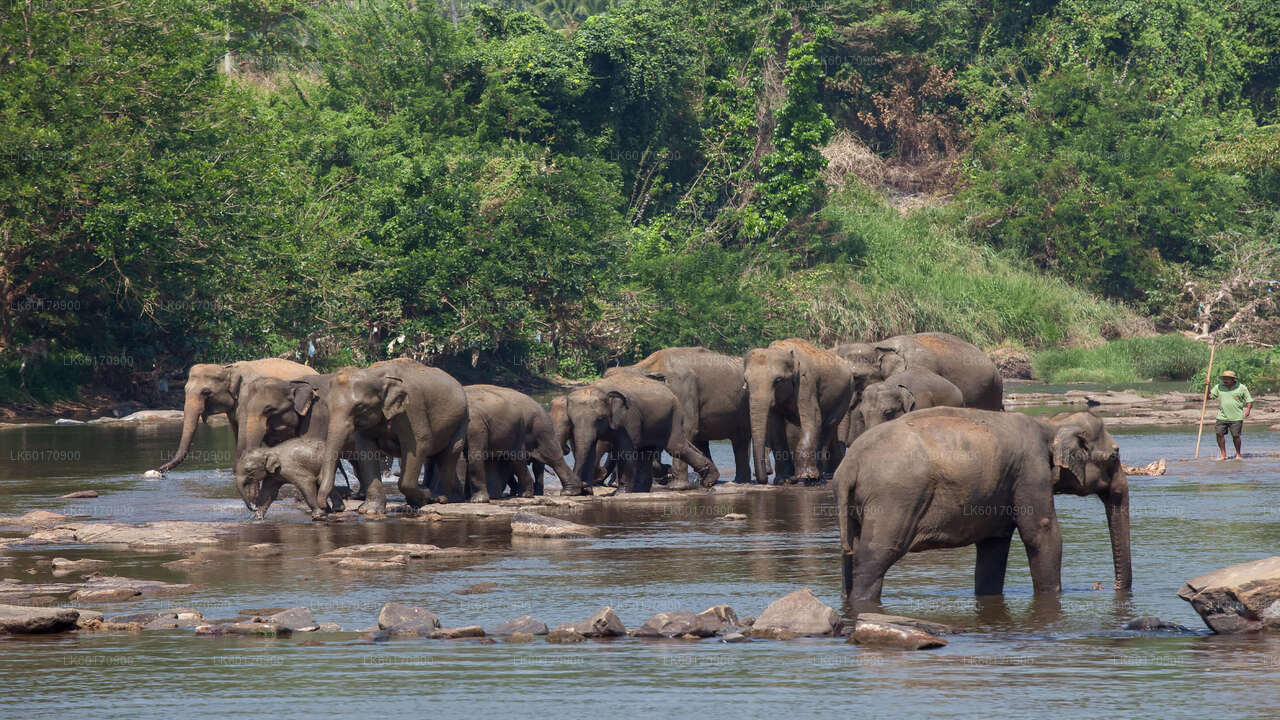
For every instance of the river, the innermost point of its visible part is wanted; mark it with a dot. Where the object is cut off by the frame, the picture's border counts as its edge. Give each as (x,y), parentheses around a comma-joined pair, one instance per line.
(1069,657)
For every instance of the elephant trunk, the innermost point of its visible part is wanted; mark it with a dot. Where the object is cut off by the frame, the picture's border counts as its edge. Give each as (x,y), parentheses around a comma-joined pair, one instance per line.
(192,409)
(340,429)
(584,455)
(1116,500)
(760,407)
(253,433)
(244,483)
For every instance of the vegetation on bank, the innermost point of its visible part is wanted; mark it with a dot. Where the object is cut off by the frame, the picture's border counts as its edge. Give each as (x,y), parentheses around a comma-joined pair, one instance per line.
(551,191)
(1167,357)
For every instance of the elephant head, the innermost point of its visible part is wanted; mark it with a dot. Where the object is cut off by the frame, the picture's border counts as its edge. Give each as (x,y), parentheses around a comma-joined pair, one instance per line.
(270,406)
(883,402)
(1086,461)
(359,400)
(772,379)
(210,389)
(864,360)
(251,471)
(594,413)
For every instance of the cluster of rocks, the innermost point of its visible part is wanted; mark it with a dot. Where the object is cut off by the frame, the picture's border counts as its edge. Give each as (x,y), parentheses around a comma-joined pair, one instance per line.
(90,590)
(1239,598)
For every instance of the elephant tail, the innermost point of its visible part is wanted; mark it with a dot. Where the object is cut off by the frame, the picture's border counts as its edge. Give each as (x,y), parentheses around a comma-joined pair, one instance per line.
(850,526)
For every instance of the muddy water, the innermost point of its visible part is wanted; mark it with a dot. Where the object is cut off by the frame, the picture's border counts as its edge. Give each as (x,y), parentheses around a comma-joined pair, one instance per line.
(1069,658)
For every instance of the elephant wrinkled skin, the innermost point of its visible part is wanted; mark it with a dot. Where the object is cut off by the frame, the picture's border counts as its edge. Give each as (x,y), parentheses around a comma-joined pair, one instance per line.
(713,401)
(792,382)
(507,430)
(213,389)
(416,412)
(950,477)
(639,417)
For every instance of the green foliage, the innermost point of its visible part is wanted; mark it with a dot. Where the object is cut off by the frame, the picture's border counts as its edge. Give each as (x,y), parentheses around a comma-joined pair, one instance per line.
(1167,357)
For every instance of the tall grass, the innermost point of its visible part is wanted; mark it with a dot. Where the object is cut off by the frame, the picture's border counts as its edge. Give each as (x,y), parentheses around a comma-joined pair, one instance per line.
(1167,357)
(917,273)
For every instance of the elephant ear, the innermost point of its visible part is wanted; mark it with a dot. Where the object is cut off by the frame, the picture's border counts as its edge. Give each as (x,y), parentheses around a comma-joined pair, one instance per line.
(234,381)
(1070,454)
(304,397)
(272,463)
(908,398)
(618,406)
(889,360)
(394,397)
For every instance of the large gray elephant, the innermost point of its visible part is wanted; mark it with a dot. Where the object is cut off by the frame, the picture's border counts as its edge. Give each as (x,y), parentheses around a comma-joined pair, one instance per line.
(272,411)
(213,389)
(415,412)
(506,430)
(297,461)
(713,400)
(960,362)
(950,477)
(900,393)
(639,417)
(793,382)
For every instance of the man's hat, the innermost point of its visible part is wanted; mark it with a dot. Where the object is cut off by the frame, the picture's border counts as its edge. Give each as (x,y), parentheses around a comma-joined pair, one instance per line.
(1228,374)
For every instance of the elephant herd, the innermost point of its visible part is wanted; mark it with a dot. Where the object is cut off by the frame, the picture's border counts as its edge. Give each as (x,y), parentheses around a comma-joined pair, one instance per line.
(954,471)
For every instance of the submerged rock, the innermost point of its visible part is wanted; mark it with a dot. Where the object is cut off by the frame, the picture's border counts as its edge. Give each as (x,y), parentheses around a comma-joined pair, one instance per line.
(887,634)
(147,536)
(63,566)
(1239,598)
(79,495)
(531,524)
(798,614)
(925,625)
(106,595)
(297,619)
(734,516)
(1150,623)
(24,620)
(400,619)
(469,631)
(478,588)
(35,519)
(523,625)
(565,635)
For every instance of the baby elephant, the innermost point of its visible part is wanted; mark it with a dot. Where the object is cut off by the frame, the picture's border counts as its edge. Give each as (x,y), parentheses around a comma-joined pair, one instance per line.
(297,461)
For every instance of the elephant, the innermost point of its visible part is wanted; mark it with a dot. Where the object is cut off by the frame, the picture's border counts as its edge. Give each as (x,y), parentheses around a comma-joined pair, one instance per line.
(213,389)
(713,400)
(949,477)
(639,417)
(272,411)
(297,461)
(792,382)
(960,362)
(415,412)
(900,393)
(563,427)
(507,430)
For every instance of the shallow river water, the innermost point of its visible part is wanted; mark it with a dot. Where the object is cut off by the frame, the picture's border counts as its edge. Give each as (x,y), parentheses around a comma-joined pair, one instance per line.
(1068,657)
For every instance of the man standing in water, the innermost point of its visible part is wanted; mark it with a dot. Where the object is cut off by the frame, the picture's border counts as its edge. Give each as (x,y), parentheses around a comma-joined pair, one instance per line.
(1234,404)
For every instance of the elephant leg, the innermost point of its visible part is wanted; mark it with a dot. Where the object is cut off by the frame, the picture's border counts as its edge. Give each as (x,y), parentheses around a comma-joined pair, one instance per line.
(643,480)
(708,474)
(446,465)
(410,470)
(988,572)
(741,458)
(869,564)
(539,471)
(368,465)
(624,457)
(525,479)
(479,476)
(1042,536)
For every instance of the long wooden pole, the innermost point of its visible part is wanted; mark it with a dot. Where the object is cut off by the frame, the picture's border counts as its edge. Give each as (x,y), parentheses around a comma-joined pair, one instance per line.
(1204,403)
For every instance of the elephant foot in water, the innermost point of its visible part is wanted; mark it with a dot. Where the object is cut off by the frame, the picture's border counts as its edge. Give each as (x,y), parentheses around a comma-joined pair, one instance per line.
(373,507)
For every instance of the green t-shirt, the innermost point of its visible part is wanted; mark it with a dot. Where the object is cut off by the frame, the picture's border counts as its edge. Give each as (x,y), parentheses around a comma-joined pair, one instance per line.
(1231,402)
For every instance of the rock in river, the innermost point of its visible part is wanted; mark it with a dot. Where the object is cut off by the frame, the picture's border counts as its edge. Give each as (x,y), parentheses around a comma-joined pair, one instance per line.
(523,625)
(886,634)
(1239,598)
(531,524)
(79,495)
(797,615)
(605,623)
(400,619)
(680,623)
(297,619)
(20,619)
(925,625)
